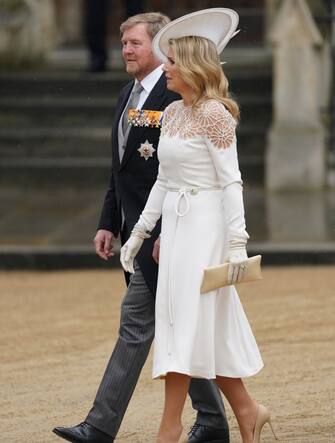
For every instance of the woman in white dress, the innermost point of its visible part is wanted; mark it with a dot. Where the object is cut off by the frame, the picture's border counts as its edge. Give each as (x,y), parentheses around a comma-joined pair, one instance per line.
(198,193)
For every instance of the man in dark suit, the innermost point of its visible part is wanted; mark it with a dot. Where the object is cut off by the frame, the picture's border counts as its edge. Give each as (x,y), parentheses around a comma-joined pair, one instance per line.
(134,171)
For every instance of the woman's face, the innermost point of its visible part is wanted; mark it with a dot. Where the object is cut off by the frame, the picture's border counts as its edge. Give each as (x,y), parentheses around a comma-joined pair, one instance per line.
(174,81)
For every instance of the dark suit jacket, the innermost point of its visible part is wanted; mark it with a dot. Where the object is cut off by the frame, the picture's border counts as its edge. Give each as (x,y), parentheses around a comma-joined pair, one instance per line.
(131,181)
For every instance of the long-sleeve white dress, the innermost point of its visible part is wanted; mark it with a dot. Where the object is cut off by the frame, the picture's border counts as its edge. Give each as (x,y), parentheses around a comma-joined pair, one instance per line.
(198,192)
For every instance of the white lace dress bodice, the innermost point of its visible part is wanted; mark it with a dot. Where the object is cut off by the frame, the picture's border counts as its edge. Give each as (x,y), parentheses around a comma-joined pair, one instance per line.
(202,136)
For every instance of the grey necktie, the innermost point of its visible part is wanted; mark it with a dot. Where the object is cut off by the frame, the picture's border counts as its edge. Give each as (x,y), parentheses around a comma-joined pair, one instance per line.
(132,104)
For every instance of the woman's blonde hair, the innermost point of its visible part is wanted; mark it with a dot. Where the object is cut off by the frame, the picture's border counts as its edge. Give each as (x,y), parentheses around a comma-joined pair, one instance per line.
(198,63)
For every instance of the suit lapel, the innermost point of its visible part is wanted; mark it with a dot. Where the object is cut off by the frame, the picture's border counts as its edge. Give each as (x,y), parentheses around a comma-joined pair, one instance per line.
(118,112)
(155,100)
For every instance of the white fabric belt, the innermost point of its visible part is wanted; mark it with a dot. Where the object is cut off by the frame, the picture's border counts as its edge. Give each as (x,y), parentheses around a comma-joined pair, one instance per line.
(184,193)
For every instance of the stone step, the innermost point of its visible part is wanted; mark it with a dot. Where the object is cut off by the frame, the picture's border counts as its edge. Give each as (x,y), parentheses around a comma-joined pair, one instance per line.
(248,56)
(41,112)
(55,125)
(55,142)
(78,172)
(61,84)
(253,82)
(109,84)
(65,112)
(91,142)
(86,172)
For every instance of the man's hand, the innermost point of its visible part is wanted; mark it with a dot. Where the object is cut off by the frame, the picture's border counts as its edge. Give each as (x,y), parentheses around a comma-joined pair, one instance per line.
(155,251)
(103,243)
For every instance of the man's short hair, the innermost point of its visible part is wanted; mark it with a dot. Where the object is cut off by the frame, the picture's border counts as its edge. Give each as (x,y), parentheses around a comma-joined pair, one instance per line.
(155,21)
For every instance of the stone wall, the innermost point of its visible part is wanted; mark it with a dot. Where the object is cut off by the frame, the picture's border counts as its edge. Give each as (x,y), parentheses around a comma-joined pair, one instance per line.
(69,21)
(27,31)
(295,157)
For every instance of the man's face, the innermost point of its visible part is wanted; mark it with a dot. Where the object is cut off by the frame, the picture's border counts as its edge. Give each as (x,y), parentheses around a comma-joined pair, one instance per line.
(137,52)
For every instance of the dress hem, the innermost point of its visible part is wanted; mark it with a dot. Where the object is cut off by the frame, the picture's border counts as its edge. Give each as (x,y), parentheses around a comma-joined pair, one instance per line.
(159,375)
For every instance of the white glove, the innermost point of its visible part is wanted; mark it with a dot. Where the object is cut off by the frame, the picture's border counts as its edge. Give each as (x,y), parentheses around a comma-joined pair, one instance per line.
(130,249)
(237,260)
(147,221)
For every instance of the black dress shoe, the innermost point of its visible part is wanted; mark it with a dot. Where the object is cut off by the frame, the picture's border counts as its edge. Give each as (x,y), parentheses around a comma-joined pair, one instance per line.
(83,433)
(205,434)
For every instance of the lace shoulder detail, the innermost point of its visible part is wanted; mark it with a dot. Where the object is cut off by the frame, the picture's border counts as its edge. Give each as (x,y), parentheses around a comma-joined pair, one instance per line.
(210,120)
(169,113)
(217,124)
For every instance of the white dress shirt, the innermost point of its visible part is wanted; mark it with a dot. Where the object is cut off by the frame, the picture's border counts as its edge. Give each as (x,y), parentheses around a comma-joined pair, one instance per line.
(148,84)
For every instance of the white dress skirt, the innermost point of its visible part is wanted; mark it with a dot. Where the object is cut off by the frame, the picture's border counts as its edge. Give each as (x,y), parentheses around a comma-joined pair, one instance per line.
(202,335)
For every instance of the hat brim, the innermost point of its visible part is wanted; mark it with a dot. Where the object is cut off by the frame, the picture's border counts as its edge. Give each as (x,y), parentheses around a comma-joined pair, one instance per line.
(216,24)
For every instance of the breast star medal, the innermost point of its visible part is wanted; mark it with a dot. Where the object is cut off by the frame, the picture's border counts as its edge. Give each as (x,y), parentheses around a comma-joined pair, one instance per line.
(146,150)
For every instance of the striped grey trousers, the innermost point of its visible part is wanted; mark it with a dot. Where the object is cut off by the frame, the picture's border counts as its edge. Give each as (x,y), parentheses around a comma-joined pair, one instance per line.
(136,334)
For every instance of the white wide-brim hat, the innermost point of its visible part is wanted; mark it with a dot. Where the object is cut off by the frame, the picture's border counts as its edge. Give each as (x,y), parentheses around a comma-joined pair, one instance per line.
(216,24)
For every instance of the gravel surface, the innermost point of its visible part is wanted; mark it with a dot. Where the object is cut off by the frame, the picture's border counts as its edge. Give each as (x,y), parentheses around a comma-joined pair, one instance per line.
(57,330)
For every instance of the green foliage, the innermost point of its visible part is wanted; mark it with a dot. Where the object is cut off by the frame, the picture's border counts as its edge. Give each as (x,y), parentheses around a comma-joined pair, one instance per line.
(12,6)
(15,62)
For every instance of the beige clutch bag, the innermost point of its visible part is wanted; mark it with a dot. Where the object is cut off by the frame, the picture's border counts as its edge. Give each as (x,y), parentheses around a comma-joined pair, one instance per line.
(217,276)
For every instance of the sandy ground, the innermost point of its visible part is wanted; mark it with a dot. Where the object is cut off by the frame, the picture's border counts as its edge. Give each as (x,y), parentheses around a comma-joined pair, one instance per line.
(57,330)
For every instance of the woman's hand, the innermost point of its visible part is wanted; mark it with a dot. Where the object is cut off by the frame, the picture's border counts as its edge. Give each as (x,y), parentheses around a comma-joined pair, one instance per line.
(237,260)
(129,251)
